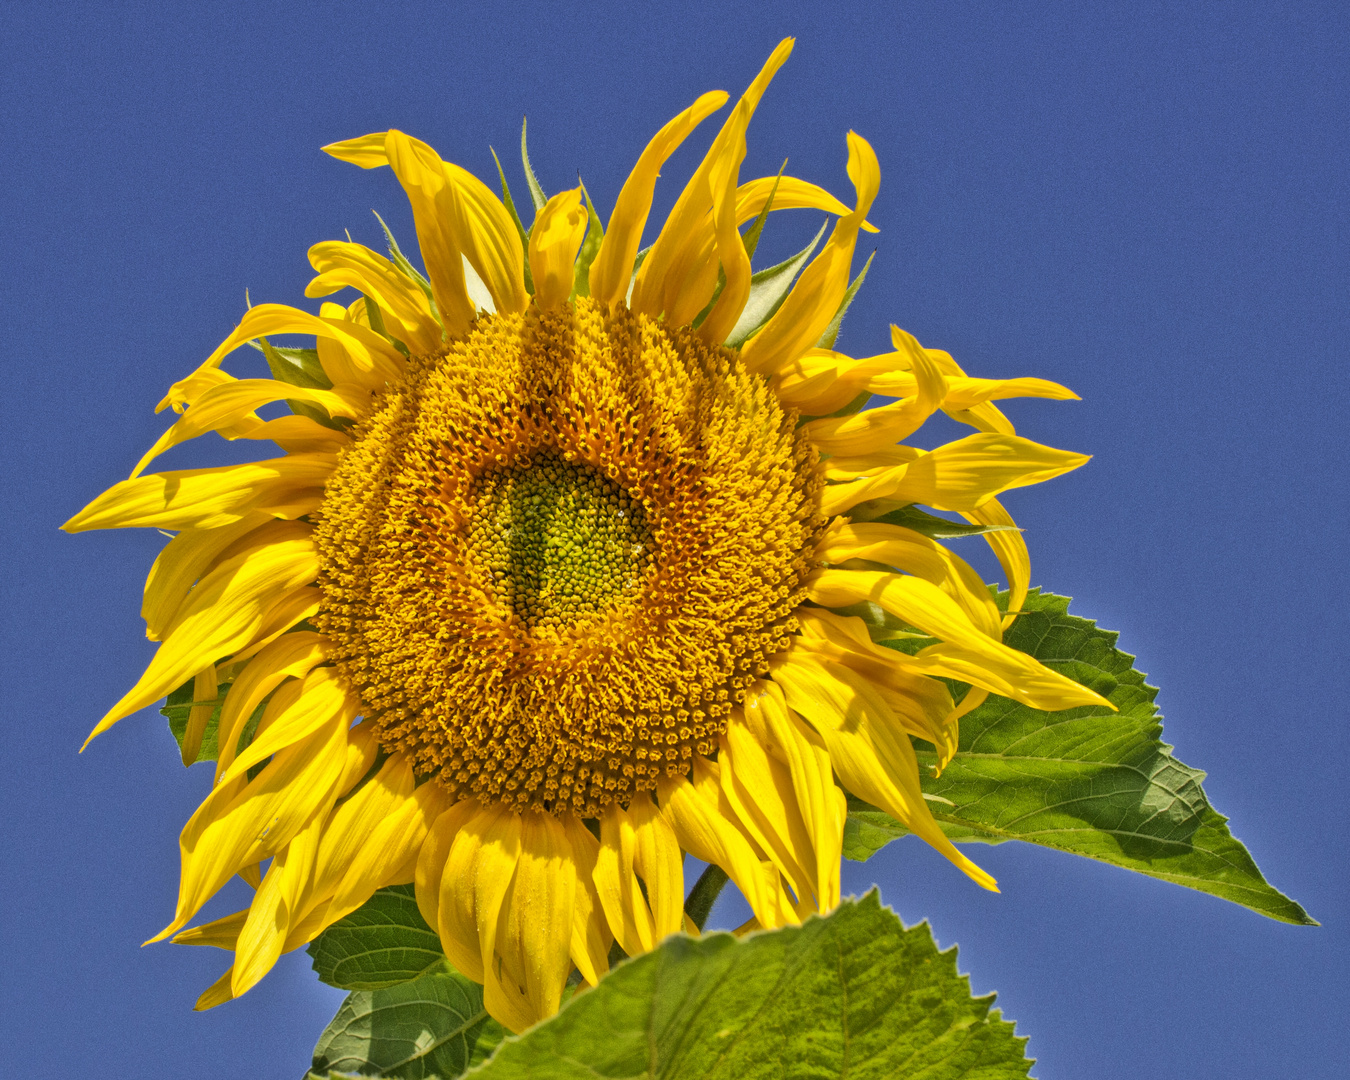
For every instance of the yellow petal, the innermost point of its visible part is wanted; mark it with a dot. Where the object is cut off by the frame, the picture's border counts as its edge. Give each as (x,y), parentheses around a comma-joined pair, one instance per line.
(422,173)
(893,545)
(959,476)
(220,934)
(820,801)
(403,304)
(285,487)
(322,694)
(708,834)
(1010,548)
(217,993)
(657,859)
(229,402)
(274,906)
(674,279)
(542,904)
(808,309)
(981,660)
(615,877)
(203,708)
(222,614)
(367,151)
(613,266)
(791,194)
(299,435)
(488,237)
(290,656)
(184,559)
(591,938)
(872,429)
(555,240)
(871,753)
(379,361)
(760,791)
(244,822)
(430,872)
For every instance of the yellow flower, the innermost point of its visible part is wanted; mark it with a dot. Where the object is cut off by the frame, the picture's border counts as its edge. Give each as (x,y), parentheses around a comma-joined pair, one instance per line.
(597,592)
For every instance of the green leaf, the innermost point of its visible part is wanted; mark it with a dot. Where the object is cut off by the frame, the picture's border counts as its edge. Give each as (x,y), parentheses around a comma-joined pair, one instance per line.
(867,830)
(382,943)
(1089,781)
(831,334)
(434,1026)
(299,367)
(768,289)
(853,994)
(532,181)
(178,706)
(590,247)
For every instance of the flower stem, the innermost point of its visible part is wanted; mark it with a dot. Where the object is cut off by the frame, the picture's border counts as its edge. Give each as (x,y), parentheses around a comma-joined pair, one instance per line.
(698,905)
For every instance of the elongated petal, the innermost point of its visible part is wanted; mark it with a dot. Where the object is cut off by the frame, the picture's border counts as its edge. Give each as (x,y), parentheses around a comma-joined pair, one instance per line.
(283,487)
(613,265)
(244,822)
(203,708)
(290,656)
(322,694)
(590,930)
(657,858)
(872,429)
(919,603)
(1010,548)
(629,917)
(760,791)
(487,235)
(543,897)
(792,194)
(555,240)
(673,279)
(708,834)
(274,906)
(819,800)
(230,402)
(808,309)
(223,613)
(430,870)
(910,551)
(403,303)
(184,559)
(376,359)
(959,476)
(870,752)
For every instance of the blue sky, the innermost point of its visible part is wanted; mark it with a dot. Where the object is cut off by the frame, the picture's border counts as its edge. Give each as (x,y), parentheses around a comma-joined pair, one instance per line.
(1145,202)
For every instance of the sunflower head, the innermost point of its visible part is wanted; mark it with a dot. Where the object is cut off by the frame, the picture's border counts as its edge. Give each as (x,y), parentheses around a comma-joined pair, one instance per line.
(577,559)
(559,554)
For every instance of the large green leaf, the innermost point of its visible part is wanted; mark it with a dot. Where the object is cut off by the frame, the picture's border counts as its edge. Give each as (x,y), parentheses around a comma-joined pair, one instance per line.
(434,1026)
(382,943)
(1087,781)
(853,994)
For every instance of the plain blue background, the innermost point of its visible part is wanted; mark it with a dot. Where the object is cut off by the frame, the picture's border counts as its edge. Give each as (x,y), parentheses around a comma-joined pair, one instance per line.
(1145,202)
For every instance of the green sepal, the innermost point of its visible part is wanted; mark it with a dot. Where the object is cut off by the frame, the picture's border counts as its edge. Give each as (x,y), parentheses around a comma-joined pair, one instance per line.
(831,334)
(520,225)
(590,247)
(536,192)
(382,943)
(299,367)
(1087,781)
(401,261)
(934,527)
(432,1028)
(853,994)
(768,289)
(751,238)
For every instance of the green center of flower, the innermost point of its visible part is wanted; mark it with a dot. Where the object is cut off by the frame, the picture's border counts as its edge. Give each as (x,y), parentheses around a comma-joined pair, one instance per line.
(558,540)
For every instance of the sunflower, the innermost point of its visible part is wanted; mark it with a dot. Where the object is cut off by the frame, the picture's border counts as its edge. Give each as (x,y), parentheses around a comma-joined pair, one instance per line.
(577,559)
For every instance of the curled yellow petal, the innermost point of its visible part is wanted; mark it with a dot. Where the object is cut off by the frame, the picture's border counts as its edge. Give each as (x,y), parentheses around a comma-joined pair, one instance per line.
(555,240)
